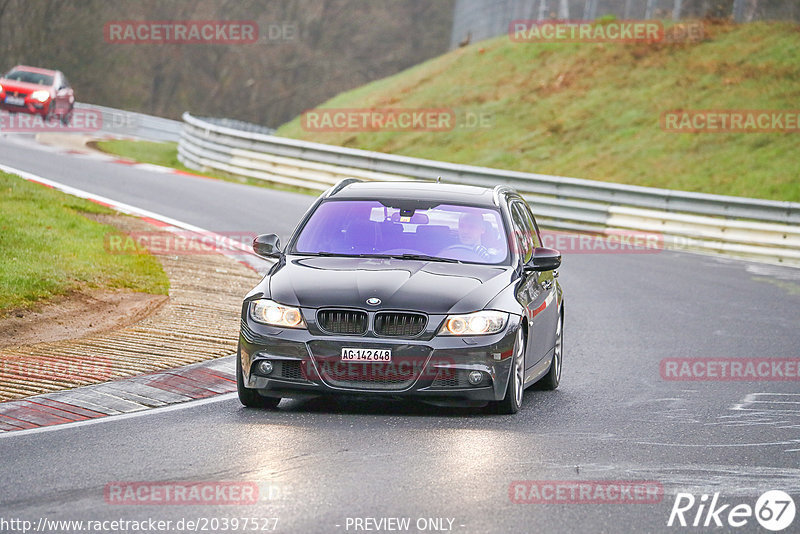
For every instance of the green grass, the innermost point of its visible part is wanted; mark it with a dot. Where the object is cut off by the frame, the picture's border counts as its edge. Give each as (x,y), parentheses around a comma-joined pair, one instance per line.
(166,155)
(593,110)
(49,248)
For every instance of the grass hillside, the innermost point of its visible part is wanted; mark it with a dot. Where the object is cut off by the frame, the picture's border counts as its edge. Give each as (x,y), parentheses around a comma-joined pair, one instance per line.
(593,110)
(50,247)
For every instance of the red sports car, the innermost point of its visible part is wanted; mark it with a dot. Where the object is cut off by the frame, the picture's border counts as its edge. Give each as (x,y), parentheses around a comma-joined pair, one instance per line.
(37,91)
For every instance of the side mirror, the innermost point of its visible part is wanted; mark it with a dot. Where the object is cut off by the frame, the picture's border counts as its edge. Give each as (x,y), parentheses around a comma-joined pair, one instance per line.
(267,246)
(544,259)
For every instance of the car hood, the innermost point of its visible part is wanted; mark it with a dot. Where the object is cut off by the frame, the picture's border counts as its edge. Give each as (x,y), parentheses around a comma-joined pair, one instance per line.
(431,287)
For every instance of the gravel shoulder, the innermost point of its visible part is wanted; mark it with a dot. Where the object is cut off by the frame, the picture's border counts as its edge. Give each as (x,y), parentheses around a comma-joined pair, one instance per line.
(96,336)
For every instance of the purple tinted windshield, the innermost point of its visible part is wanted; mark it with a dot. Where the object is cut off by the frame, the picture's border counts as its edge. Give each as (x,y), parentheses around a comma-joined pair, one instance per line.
(356,227)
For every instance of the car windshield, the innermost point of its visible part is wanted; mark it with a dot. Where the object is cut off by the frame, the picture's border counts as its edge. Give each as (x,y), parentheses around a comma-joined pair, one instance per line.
(29,77)
(443,232)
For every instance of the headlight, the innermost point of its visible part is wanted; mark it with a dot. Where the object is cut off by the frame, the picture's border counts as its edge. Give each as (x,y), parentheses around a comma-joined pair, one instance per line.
(41,96)
(269,312)
(474,324)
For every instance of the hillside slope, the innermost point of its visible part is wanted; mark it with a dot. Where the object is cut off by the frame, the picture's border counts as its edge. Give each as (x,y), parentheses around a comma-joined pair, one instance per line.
(593,110)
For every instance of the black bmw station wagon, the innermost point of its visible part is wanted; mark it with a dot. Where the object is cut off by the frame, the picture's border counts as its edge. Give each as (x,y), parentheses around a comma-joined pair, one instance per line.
(415,289)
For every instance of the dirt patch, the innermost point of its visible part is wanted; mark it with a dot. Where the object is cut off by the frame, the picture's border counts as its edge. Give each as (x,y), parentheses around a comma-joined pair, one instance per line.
(198,321)
(73,141)
(78,314)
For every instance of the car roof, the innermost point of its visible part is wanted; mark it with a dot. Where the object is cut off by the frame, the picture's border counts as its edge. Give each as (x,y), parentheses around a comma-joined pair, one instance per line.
(417,190)
(36,69)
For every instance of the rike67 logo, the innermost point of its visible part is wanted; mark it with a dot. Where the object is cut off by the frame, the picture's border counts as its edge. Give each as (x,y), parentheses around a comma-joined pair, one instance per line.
(774,510)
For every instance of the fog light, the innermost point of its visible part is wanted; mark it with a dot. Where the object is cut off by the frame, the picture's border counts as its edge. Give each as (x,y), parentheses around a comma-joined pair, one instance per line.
(264,367)
(475,377)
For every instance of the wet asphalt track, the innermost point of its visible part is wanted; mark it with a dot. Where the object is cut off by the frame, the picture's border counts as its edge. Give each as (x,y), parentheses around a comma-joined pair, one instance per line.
(320,462)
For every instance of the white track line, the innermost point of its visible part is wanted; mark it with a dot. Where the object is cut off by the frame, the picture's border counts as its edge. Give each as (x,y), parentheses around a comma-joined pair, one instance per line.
(125,208)
(131,210)
(112,418)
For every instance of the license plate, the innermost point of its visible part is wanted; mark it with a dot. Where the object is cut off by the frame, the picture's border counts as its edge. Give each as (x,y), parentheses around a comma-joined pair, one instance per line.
(15,100)
(366,355)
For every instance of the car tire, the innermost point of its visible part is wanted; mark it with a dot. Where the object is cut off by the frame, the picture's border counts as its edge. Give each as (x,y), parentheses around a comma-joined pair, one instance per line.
(550,381)
(250,397)
(512,402)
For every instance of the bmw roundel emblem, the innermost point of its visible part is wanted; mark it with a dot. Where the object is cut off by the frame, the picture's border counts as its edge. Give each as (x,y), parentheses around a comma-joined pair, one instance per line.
(373,301)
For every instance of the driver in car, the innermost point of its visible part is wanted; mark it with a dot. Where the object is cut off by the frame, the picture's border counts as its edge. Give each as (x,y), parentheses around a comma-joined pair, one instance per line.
(470,233)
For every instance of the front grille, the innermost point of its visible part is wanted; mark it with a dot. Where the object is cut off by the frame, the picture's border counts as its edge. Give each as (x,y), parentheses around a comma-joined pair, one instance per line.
(291,369)
(343,321)
(399,324)
(285,369)
(369,376)
(450,378)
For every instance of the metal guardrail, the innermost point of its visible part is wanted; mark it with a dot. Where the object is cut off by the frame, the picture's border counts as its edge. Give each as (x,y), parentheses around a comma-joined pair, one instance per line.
(132,124)
(763,229)
(239,125)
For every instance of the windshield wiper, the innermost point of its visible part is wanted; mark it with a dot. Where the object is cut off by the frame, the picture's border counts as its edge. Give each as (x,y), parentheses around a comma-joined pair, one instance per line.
(423,257)
(326,254)
(344,255)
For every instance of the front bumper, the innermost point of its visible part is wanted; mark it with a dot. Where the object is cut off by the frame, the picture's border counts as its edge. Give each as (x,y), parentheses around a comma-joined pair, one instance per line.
(433,370)
(31,107)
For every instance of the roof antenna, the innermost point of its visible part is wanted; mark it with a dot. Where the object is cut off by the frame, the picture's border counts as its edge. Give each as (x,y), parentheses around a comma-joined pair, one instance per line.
(438,179)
